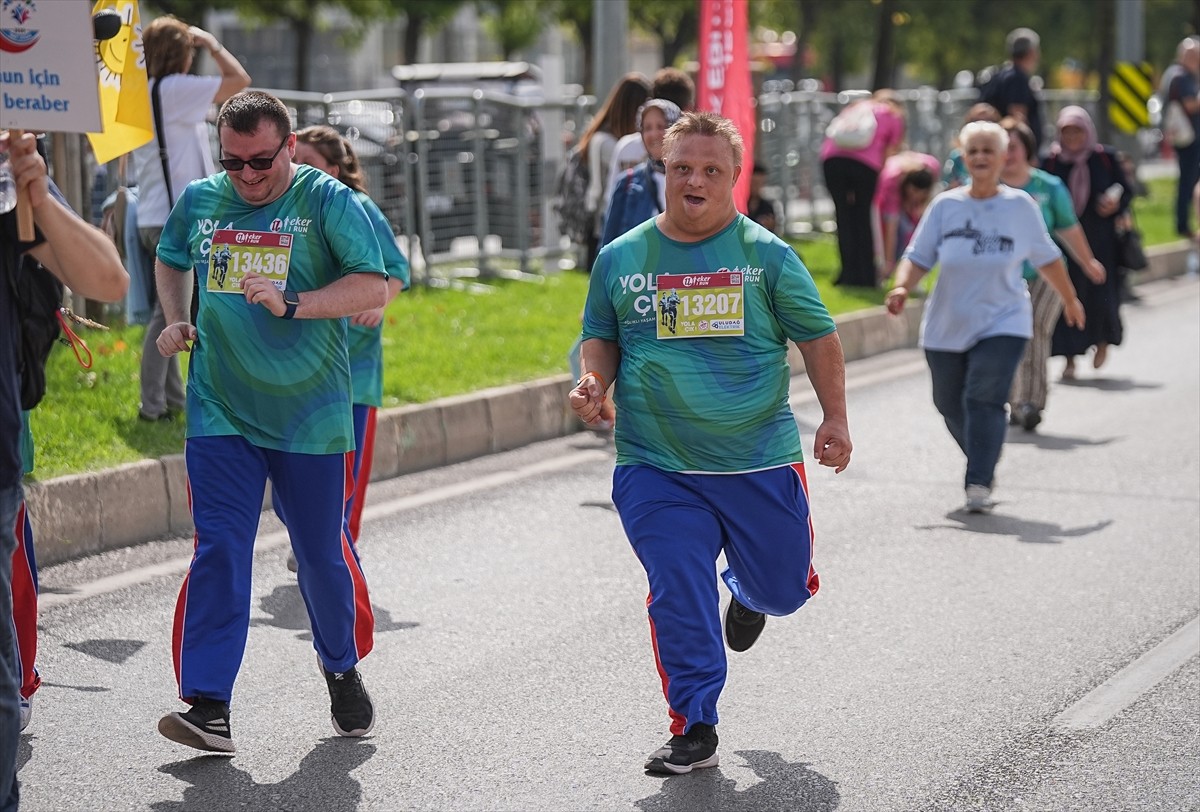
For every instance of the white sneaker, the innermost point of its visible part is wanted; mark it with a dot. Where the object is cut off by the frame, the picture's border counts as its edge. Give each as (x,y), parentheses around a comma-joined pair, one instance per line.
(979,499)
(26,711)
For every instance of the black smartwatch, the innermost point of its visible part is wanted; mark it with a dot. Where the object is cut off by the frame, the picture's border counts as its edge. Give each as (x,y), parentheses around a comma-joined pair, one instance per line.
(292,299)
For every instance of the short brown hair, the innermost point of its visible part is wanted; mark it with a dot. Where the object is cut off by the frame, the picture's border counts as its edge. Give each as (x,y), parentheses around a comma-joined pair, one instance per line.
(243,112)
(167,43)
(705,123)
(1022,132)
(674,85)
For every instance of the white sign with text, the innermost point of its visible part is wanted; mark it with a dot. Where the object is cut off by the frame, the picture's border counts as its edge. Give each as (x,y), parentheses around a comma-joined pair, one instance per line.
(48,74)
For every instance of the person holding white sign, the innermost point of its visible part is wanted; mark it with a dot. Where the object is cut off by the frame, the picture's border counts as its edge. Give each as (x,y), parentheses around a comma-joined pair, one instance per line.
(269,394)
(690,312)
(82,257)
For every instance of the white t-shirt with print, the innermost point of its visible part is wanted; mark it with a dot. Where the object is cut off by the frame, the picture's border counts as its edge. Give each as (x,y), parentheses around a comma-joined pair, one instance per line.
(980,246)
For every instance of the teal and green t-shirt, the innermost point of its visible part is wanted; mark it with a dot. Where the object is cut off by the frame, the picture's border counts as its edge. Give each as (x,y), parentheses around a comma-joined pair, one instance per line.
(1054,201)
(705,404)
(281,384)
(366,343)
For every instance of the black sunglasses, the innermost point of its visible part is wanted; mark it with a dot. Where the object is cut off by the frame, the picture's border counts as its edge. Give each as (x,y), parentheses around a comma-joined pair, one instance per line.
(257,164)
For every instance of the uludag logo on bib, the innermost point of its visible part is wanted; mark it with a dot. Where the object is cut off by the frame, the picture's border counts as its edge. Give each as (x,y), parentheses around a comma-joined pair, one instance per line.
(295,225)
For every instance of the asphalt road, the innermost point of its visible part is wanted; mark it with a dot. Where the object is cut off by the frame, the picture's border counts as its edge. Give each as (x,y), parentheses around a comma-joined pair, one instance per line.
(1012,661)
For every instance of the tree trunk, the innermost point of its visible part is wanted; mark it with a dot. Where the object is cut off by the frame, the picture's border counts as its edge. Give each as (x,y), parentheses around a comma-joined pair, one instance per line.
(1105,23)
(684,35)
(303,31)
(584,31)
(808,23)
(414,25)
(884,46)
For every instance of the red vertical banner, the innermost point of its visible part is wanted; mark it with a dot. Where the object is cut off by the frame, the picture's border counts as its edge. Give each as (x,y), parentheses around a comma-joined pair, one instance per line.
(724,85)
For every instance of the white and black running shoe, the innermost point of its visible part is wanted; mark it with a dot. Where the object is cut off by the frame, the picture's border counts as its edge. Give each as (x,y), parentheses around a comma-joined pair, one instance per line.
(692,751)
(350,705)
(205,727)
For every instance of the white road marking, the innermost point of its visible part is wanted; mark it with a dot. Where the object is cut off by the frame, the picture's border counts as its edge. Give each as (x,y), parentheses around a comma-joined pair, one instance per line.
(279,538)
(1126,686)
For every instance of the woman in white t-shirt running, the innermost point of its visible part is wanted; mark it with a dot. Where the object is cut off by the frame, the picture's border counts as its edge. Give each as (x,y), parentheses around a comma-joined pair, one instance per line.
(979,318)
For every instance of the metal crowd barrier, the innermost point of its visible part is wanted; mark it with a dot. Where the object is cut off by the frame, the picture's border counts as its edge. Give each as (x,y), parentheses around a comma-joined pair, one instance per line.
(467,177)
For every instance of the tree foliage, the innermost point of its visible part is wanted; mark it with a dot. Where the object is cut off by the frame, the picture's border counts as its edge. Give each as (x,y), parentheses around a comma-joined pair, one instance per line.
(422,17)
(676,23)
(514,25)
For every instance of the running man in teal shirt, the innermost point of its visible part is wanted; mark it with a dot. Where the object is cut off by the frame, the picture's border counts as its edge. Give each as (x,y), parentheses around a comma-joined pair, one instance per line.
(690,315)
(268,395)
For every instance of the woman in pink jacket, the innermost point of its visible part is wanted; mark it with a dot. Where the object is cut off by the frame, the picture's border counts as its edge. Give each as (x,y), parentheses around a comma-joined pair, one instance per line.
(852,157)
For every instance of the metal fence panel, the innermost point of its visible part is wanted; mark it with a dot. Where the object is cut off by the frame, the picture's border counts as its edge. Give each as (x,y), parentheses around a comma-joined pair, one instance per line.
(467,177)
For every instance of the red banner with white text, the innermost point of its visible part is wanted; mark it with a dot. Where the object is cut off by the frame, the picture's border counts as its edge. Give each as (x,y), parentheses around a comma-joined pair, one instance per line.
(724,85)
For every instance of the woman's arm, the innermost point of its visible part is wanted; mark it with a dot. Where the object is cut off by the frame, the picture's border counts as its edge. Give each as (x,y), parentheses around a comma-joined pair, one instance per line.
(908,276)
(1075,241)
(1055,274)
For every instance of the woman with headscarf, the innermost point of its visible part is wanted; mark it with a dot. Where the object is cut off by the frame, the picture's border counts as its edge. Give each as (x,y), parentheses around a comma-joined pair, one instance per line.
(640,193)
(1031,383)
(1100,194)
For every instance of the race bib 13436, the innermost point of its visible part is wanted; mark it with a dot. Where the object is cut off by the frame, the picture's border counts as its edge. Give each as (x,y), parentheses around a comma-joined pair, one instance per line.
(236,253)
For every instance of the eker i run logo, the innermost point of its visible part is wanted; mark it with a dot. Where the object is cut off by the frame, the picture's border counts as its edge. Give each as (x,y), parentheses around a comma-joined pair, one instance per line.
(16,31)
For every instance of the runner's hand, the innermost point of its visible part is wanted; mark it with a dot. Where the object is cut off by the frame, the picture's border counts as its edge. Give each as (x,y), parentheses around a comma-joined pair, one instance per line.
(175,338)
(368,318)
(832,445)
(586,399)
(260,290)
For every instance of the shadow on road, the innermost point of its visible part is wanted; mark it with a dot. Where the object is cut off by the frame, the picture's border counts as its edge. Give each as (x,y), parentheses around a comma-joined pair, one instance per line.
(1027,530)
(286,609)
(784,786)
(1055,442)
(321,782)
(114,650)
(1110,384)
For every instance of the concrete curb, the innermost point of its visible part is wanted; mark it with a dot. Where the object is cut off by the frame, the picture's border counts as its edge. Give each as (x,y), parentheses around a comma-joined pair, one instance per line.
(82,514)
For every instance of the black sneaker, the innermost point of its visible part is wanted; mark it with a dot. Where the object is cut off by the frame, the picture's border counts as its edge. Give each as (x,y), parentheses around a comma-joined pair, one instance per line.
(1029,416)
(349,704)
(692,751)
(205,727)
(742,626)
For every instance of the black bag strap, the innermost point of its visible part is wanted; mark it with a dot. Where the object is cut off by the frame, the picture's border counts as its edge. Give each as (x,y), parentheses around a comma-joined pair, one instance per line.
(162,142)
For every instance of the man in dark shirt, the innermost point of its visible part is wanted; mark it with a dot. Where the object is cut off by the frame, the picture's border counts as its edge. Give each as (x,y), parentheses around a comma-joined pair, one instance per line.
(1181,85)
(83,258)
(1010,90)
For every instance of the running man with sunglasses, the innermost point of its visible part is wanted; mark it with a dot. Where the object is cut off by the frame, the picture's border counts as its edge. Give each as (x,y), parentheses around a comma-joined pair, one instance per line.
(268,396)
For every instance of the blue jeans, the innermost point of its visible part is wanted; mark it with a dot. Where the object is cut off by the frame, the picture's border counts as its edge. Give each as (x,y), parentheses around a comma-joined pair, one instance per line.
(10,672)
(1189,174)
(970,390)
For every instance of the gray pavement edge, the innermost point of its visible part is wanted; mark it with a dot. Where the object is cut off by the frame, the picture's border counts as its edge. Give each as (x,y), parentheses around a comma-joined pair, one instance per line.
(81,514)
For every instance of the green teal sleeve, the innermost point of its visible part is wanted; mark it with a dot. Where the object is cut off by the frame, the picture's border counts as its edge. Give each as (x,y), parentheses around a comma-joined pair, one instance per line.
(599,316)
(797,304)
(350,232)
(394,261)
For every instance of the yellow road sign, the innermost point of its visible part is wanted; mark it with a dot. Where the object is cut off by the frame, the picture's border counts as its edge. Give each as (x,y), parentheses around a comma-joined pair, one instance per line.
(1130,87)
